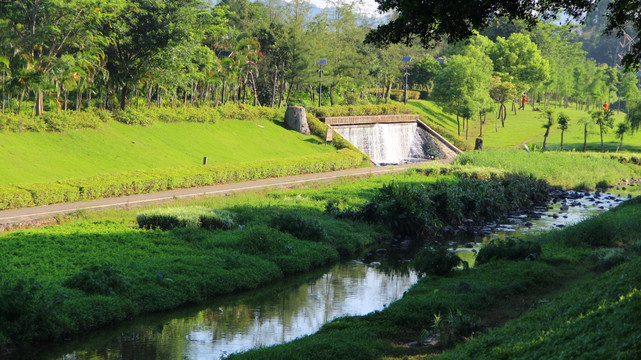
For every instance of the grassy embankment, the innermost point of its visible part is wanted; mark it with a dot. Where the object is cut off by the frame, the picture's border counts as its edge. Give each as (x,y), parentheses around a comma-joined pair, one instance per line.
(582,307)
(526,127)
(70,278)
(80,156)
(569,170)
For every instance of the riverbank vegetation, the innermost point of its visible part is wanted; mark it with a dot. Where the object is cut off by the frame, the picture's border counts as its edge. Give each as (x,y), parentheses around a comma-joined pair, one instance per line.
(569,170)
(579,296)
(69,278)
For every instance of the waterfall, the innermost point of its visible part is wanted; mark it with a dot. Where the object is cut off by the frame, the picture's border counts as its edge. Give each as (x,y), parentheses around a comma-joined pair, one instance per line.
(390,143)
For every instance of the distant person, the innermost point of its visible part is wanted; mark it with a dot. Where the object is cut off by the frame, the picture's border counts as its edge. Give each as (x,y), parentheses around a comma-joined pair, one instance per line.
(523,102)
(606,107)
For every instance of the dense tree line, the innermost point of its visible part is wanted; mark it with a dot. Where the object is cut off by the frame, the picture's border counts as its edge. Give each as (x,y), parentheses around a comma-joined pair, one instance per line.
(76,54)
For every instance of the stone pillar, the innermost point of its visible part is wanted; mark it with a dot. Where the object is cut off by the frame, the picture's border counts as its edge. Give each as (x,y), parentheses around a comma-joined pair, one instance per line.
(296,119)
(478,145)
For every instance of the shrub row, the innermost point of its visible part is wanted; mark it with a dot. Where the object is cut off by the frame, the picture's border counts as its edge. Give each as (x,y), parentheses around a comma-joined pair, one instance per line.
(424,210)
(144,116)
(185,217)
(398,94)
(141,182)
(60,120)
(358,110)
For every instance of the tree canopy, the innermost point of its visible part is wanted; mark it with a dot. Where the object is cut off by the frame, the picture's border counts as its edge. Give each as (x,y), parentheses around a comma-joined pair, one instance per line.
(456,20)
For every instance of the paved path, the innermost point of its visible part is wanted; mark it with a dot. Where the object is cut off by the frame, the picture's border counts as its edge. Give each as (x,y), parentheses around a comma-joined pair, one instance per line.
(14,218)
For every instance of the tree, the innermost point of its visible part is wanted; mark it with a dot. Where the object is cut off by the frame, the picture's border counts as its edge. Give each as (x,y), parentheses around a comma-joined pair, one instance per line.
(424,72)
(434,20)
(144,30)
(548,115)
(501,91)
(621,129)
(519,57)
(634,116)
(463,86)
(4,68)
(604,120)
(563,121)
(45,30)
(587,124)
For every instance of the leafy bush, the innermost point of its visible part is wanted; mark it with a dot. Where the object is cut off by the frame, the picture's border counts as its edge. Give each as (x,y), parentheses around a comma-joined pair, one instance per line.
(606,259)
(133,116)
(435,261)
(169,218)
(455,327)
(103,280)
(508,249)
(217,219)
(12,197)
(398,94)
(28,311)
(263,240)
(422,210)
(299,226)
(405,209)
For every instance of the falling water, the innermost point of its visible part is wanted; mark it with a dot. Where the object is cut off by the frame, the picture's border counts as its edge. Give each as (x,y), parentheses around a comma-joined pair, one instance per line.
(391,143)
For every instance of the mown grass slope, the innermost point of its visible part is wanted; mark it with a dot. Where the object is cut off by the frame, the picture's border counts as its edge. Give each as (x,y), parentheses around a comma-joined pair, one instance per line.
(31,157)
(526,128)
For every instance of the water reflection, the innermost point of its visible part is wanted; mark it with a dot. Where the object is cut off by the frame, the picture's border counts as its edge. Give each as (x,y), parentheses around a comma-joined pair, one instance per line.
(272,316)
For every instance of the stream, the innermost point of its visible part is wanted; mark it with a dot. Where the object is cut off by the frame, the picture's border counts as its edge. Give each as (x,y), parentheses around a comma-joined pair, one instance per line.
(292,308)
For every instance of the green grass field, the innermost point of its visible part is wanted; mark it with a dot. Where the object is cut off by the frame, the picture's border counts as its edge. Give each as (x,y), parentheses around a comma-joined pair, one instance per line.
(526,127)
(31,157)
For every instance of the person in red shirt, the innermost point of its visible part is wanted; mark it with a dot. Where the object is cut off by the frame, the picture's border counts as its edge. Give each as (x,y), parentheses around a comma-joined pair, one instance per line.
(606,107)
(523,102)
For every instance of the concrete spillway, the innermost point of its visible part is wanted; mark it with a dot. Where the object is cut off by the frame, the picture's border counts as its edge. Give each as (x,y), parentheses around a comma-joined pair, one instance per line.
(387,143)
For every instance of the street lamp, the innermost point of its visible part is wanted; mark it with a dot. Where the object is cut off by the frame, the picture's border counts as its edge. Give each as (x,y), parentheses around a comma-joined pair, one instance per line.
(406,60)
(320,64)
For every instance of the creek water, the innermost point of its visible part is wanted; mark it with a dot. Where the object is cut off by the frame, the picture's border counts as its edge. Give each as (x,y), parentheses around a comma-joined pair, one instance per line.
(281,312)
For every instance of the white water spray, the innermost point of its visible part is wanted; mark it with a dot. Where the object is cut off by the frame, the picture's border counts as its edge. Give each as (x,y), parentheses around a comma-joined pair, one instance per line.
(386,143)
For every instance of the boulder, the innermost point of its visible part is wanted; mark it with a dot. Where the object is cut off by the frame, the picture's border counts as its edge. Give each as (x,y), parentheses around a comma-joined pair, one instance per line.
(296,119)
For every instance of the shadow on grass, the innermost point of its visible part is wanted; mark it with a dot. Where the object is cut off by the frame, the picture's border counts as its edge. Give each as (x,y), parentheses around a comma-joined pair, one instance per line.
(438,118)
(593,146)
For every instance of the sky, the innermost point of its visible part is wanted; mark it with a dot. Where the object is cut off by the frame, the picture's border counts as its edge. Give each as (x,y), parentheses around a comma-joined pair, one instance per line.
(368,7)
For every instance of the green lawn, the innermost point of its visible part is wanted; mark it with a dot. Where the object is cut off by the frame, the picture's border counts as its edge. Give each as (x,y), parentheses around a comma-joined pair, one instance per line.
(526,127)
(31,157)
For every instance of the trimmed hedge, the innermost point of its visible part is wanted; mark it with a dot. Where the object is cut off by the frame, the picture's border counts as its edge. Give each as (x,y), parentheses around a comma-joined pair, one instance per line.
(60,121)
(398,94)
(57,121)
(358,110)
(141,182)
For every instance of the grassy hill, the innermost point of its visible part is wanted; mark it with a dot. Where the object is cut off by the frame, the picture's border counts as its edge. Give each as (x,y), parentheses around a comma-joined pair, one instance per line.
(526,128)
(116,148)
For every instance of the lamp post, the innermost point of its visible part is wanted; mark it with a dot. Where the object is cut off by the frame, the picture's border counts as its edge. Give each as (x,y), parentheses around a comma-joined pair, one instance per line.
(406,60)
(320,64)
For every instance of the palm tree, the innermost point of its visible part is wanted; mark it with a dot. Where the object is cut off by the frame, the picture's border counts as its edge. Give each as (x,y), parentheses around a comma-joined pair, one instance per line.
(622,128)
(4,68)
(604,120)
(548,115)
(563,121)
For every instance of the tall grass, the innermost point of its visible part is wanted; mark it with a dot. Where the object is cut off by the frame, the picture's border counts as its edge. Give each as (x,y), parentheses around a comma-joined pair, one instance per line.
(565,169)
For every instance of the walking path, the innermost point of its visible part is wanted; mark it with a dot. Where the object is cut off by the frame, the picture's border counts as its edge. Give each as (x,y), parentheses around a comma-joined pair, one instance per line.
(34,215)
